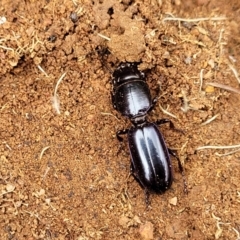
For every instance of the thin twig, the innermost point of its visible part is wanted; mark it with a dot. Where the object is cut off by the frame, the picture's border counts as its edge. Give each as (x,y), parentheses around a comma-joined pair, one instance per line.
(42,152)
(46,172)
(109,114)
(234,72)
(56,103)
(166,112)
(215,217)
(220,43)
(218,147)
(223,86)
(210,120)
(194,19)
(75,2)
(228,153)
(201,80)
(237,232)
(6,48)
(220,35)
(103,36)
(41,69)
(185,106)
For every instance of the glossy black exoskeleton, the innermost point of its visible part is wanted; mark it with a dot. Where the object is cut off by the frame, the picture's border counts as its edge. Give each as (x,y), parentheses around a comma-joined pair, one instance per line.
(131,95)
(150,160)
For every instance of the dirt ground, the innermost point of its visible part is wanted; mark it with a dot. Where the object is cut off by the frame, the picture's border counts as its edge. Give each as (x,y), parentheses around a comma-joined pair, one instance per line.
(63,174)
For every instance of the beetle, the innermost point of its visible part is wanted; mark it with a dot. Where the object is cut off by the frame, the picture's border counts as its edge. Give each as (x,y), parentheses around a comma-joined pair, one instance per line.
(150,158)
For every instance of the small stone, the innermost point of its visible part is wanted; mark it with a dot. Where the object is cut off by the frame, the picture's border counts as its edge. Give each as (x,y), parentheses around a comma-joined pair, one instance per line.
(10,187)
(2,20)
(209,89)
(123,221)
(90,117)
(137,219)
(74,17)
(188,60)
(166,55)
(41,192)
(211,63)
(146,231)
(173,201)
(18,204)
(13,63)
(30,31)
(66,113)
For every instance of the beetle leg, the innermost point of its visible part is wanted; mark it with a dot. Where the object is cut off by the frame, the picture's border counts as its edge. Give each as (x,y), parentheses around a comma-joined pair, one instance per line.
(166,120)
(147,194)
(147,198)
(181,169)
(119,149)
(121,132)
(154,101)
(133,173)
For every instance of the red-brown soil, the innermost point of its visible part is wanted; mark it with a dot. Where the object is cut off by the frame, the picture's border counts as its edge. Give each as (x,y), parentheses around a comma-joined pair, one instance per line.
(64,175)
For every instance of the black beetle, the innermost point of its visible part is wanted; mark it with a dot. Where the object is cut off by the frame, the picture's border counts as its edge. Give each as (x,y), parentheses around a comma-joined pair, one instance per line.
(150,160)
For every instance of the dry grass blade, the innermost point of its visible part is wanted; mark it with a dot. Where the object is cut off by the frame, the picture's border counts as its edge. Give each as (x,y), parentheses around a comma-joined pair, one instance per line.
(109,114)
(42,152)
(6,48)
(228,153)
(218,147)
(41,69)
(185,106)
(104,37)
(223,86)
(210,120)
(55,99)
(166,111)
(234,72)
(237,232)
(193,19)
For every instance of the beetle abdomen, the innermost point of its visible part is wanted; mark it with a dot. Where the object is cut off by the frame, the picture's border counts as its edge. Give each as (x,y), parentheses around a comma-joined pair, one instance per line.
(150,158)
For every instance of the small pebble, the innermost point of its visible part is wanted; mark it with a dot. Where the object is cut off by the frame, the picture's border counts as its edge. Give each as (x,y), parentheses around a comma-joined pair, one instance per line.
(188,60)
(211,63)
(123,221)
(66,113)
(74,17)
(41,192)
(90,117)
(173,201)
(10,187)
(209,89)
(2,20)
(146,231)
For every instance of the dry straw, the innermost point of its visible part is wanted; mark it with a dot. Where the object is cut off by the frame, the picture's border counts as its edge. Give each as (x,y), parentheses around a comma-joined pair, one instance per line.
(55,98)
